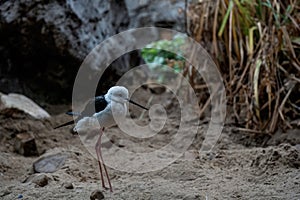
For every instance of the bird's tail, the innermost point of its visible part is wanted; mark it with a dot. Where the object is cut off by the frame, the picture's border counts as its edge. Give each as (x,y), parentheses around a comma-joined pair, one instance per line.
(70,122)
(65,124)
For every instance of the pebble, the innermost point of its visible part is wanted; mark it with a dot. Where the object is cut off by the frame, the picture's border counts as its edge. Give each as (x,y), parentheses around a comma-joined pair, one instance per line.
(40,180)
(49,163)
(5,192)
(194,196)
(25,144)
(68,185)
(97,195)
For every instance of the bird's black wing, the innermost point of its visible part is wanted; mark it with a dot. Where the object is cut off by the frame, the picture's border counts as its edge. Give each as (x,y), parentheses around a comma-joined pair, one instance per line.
(96,104)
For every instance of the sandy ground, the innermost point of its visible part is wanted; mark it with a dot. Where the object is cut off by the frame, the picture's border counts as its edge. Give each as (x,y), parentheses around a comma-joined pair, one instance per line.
(240,166)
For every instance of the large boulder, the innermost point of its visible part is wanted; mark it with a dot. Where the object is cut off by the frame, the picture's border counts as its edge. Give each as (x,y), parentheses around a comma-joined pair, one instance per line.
(44,42)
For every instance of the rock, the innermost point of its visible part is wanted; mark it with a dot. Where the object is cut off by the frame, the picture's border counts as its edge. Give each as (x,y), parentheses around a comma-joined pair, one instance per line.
(25,144)
(53,37)
(167,14)
(49,163)
(12,102)
(194,196)
(40,180)
(97,195)
(5,192)
(68,185)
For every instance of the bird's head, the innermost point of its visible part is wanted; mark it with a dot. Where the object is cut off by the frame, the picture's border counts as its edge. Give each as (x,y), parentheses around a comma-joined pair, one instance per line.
(120,94)
(117,94)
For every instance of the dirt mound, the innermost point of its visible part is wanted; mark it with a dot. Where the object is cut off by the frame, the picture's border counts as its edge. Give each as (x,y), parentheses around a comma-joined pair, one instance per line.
(231,171)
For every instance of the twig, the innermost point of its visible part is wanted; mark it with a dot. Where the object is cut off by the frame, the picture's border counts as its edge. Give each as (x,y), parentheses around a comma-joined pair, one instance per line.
(282,105)
(249,130)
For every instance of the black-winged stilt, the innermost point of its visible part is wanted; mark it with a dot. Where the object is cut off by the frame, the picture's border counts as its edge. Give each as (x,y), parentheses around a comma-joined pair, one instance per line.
(101,108)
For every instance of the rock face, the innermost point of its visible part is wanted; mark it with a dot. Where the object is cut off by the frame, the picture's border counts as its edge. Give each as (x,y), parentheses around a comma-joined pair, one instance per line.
(46,41)
(167,14)
(17,102)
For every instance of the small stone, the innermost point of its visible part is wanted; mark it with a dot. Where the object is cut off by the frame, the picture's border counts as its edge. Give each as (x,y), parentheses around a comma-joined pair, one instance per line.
(12,102)
(40,180)
(25,144)
(68,185)
(97,195)
(49,163)
(5,192)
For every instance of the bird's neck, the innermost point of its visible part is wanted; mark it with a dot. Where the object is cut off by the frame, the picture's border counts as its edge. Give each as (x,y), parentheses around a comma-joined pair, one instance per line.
(107,98)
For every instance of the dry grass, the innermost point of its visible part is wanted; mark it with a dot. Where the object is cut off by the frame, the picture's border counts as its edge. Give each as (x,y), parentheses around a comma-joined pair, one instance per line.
(256,45)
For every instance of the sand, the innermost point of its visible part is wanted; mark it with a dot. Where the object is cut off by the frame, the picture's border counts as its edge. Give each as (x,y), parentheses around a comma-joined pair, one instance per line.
(241,166)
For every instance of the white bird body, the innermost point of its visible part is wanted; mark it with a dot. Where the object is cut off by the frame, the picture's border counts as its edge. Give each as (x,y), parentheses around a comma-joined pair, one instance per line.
(106,118)
(105,110)
(116,98)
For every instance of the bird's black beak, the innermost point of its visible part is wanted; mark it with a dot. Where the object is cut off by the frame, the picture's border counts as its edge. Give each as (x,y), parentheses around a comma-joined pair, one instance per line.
(130,101)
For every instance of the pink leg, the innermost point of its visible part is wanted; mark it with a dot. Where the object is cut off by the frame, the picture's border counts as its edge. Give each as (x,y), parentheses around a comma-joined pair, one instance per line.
(108,179)
(98,152)
(100,160)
